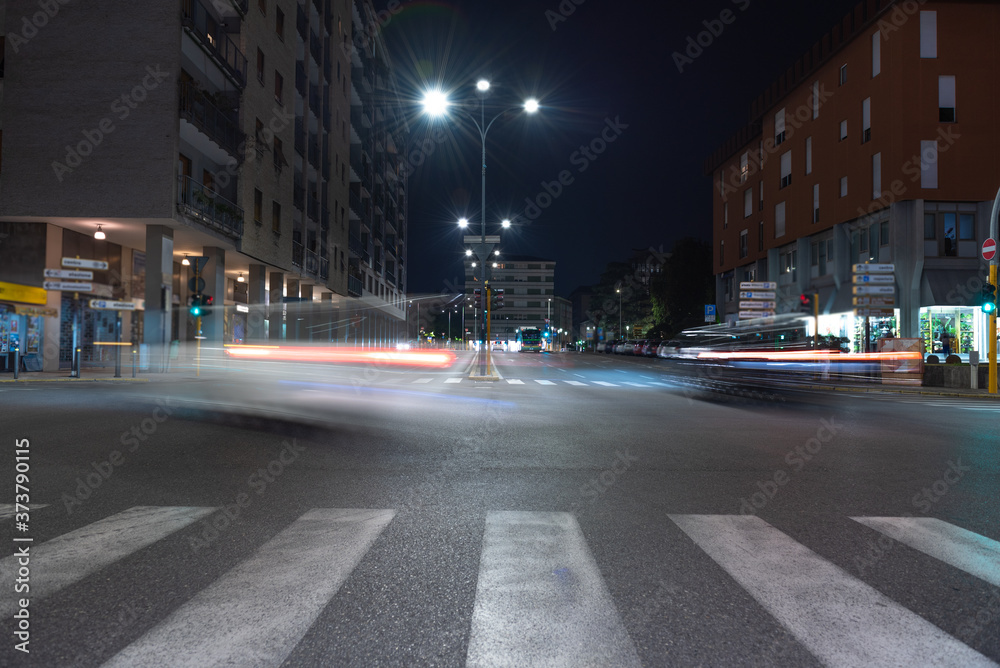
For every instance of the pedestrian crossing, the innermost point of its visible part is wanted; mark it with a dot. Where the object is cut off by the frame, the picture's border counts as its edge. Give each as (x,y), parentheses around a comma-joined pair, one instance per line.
(541,596)
(456,380)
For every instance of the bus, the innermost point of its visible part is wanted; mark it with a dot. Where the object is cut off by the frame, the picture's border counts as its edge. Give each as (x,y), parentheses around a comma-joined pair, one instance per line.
(530,339)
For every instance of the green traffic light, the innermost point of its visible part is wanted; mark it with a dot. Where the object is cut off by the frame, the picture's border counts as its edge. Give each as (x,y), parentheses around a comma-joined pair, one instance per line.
(195,311)
(989,308)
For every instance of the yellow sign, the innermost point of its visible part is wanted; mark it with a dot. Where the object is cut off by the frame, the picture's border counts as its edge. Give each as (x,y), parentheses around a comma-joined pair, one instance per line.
(36,311)
(12,292)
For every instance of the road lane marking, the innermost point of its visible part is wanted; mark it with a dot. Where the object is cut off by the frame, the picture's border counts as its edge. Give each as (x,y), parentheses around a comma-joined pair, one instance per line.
(515,381)
(8,510)
(579,375)
(953,545)
(840,619)
(636,384)
(257,613)
(69,558)
(422,380)
(453,380)
(544,382)
(605,384)
(540,598)
(654,382)
(575,382)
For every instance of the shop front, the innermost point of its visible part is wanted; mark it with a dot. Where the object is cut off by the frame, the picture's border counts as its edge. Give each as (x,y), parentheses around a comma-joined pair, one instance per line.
(953,330)
(22,326)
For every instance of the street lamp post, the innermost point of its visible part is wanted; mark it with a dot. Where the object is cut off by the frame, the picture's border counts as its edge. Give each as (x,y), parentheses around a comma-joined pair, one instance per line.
(436,103)
(619,291)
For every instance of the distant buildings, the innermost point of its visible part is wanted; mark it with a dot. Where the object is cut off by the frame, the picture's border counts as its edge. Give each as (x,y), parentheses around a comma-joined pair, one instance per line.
(878,145)
(263,135)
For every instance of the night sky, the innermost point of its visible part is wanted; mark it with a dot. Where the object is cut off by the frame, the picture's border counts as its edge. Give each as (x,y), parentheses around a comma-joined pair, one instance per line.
(608,67)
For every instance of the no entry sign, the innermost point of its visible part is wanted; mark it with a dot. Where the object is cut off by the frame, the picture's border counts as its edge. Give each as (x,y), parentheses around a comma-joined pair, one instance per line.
(989,249)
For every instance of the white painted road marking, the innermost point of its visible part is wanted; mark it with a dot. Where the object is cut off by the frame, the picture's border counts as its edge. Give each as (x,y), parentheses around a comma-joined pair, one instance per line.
(258,612)
(840,619)
(423,380)
(544,382)
(453,380)
(540,598)
(601,382)
(636,384)
(575,382)
(953,545)
(71,557)
(515,381)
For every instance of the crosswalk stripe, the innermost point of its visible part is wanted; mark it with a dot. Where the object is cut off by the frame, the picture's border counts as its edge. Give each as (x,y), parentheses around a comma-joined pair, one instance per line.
(515,381)
(422,380)
(575,382)
(604,383)
(8,510)
(71,557)
(636,384)
(655,382)
(540,598)
(453,380)
(953,545)
(258,612)
(840,619)
(544,382)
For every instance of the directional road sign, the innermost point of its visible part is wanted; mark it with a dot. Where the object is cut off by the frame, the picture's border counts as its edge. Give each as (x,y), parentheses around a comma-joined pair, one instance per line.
(765,285)
(758,295)
(874,278)
(874,268)
(84,264)
(755,314)
(874,289)
(766,306)
(874,312)
(69,273)
(875,301)
(111,306)
(61,285)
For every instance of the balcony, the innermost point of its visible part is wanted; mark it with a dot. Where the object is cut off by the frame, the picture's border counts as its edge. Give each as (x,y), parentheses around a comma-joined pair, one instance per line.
(301,22)
(324,219)
(324,268)
(314,100)
(313,211)
(203,27)
(208,207)
(301,84)
(358,248)
(311,265)
(354,286)
(297,252)
(315,47)
(197,108)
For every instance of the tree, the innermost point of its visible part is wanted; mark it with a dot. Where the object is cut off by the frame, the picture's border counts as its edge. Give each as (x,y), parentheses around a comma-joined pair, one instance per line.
(680,292)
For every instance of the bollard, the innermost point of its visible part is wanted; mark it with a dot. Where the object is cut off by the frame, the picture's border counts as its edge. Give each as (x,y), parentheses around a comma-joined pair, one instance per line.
(17,361)
(974,369)
(134,353)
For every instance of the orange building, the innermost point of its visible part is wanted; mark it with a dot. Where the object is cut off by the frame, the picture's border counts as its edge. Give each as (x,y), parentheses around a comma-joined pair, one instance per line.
(878,145)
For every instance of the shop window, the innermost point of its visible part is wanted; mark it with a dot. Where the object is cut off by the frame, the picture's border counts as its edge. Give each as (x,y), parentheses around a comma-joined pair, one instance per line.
(884,233)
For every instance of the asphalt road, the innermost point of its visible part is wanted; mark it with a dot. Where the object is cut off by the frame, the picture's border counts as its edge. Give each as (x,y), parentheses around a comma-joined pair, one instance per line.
(584,510)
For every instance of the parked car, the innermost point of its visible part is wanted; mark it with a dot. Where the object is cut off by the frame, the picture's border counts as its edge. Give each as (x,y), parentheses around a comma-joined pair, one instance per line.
(609,347)
(649,350)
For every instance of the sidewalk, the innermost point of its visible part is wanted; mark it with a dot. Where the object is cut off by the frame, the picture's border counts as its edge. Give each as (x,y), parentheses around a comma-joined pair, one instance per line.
(966,393)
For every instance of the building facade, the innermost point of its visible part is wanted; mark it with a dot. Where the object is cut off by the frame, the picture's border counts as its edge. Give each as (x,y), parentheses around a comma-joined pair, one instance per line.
(216,129)
(876,146)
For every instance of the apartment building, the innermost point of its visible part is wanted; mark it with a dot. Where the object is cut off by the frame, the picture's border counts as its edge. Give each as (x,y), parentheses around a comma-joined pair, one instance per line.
(217,129)
(877,145)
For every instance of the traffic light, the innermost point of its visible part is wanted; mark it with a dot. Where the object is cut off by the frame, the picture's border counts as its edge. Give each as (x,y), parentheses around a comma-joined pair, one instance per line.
(194,305)
(478,297)
(806,303)
(206,305)
(989,301)
(497,298)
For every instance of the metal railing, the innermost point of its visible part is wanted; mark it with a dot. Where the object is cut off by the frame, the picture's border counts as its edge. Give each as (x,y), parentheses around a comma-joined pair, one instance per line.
(297,251)
(301,22)
(324,268)
(354,286)
(208,207)
(209,33)
(197,108)
(313,211)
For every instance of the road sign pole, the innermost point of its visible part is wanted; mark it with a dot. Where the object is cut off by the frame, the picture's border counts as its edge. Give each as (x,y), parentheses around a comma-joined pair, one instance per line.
(118,345)
(994,233)
(815,320)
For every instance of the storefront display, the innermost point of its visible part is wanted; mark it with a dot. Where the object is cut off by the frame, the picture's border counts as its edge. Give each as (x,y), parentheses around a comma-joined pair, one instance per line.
(948,330)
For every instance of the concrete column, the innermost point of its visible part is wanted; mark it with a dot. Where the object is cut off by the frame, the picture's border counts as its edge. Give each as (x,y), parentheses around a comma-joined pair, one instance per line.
(306,313)
(257,301)
(50,326)
(294,325)
(159,297)
(276,303)
(329,330)
(214,273)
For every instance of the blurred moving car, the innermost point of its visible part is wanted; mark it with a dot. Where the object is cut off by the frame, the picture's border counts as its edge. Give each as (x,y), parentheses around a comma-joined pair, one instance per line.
(649,350)
(669,349)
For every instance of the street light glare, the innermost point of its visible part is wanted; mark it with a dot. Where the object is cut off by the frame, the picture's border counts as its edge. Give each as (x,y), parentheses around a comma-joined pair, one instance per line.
(506,222)
(483,85)
(435,102)
(531,106)
(468,252)
(463,222)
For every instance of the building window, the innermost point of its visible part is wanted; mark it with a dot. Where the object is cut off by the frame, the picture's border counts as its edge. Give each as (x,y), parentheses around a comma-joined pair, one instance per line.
(815,202)
(843,186)
(260,66)
(722,252)
(876,53)
(744,167)
(725,215)
(789,269)
(843,130)
(779,127)
(262,5)
(779,220)
(279,85)
(941,233)
(760,206)
(884,233)
(786,169)
(760,235)
(929,164)
(275,217)
(258,205)
(876,176)
(966,227)
(279,23)
(946,99)
(815,100)
(279,158)
(928,34)
(930,227)
(843,74)
(809,155)
(743,244)
(866,120)
(747,202)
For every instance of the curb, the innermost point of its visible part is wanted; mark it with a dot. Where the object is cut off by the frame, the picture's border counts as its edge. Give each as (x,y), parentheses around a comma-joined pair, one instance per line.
(889,389)
(76,380)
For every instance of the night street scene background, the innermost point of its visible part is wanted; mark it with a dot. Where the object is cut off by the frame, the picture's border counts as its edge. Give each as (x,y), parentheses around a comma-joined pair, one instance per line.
(554,333)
